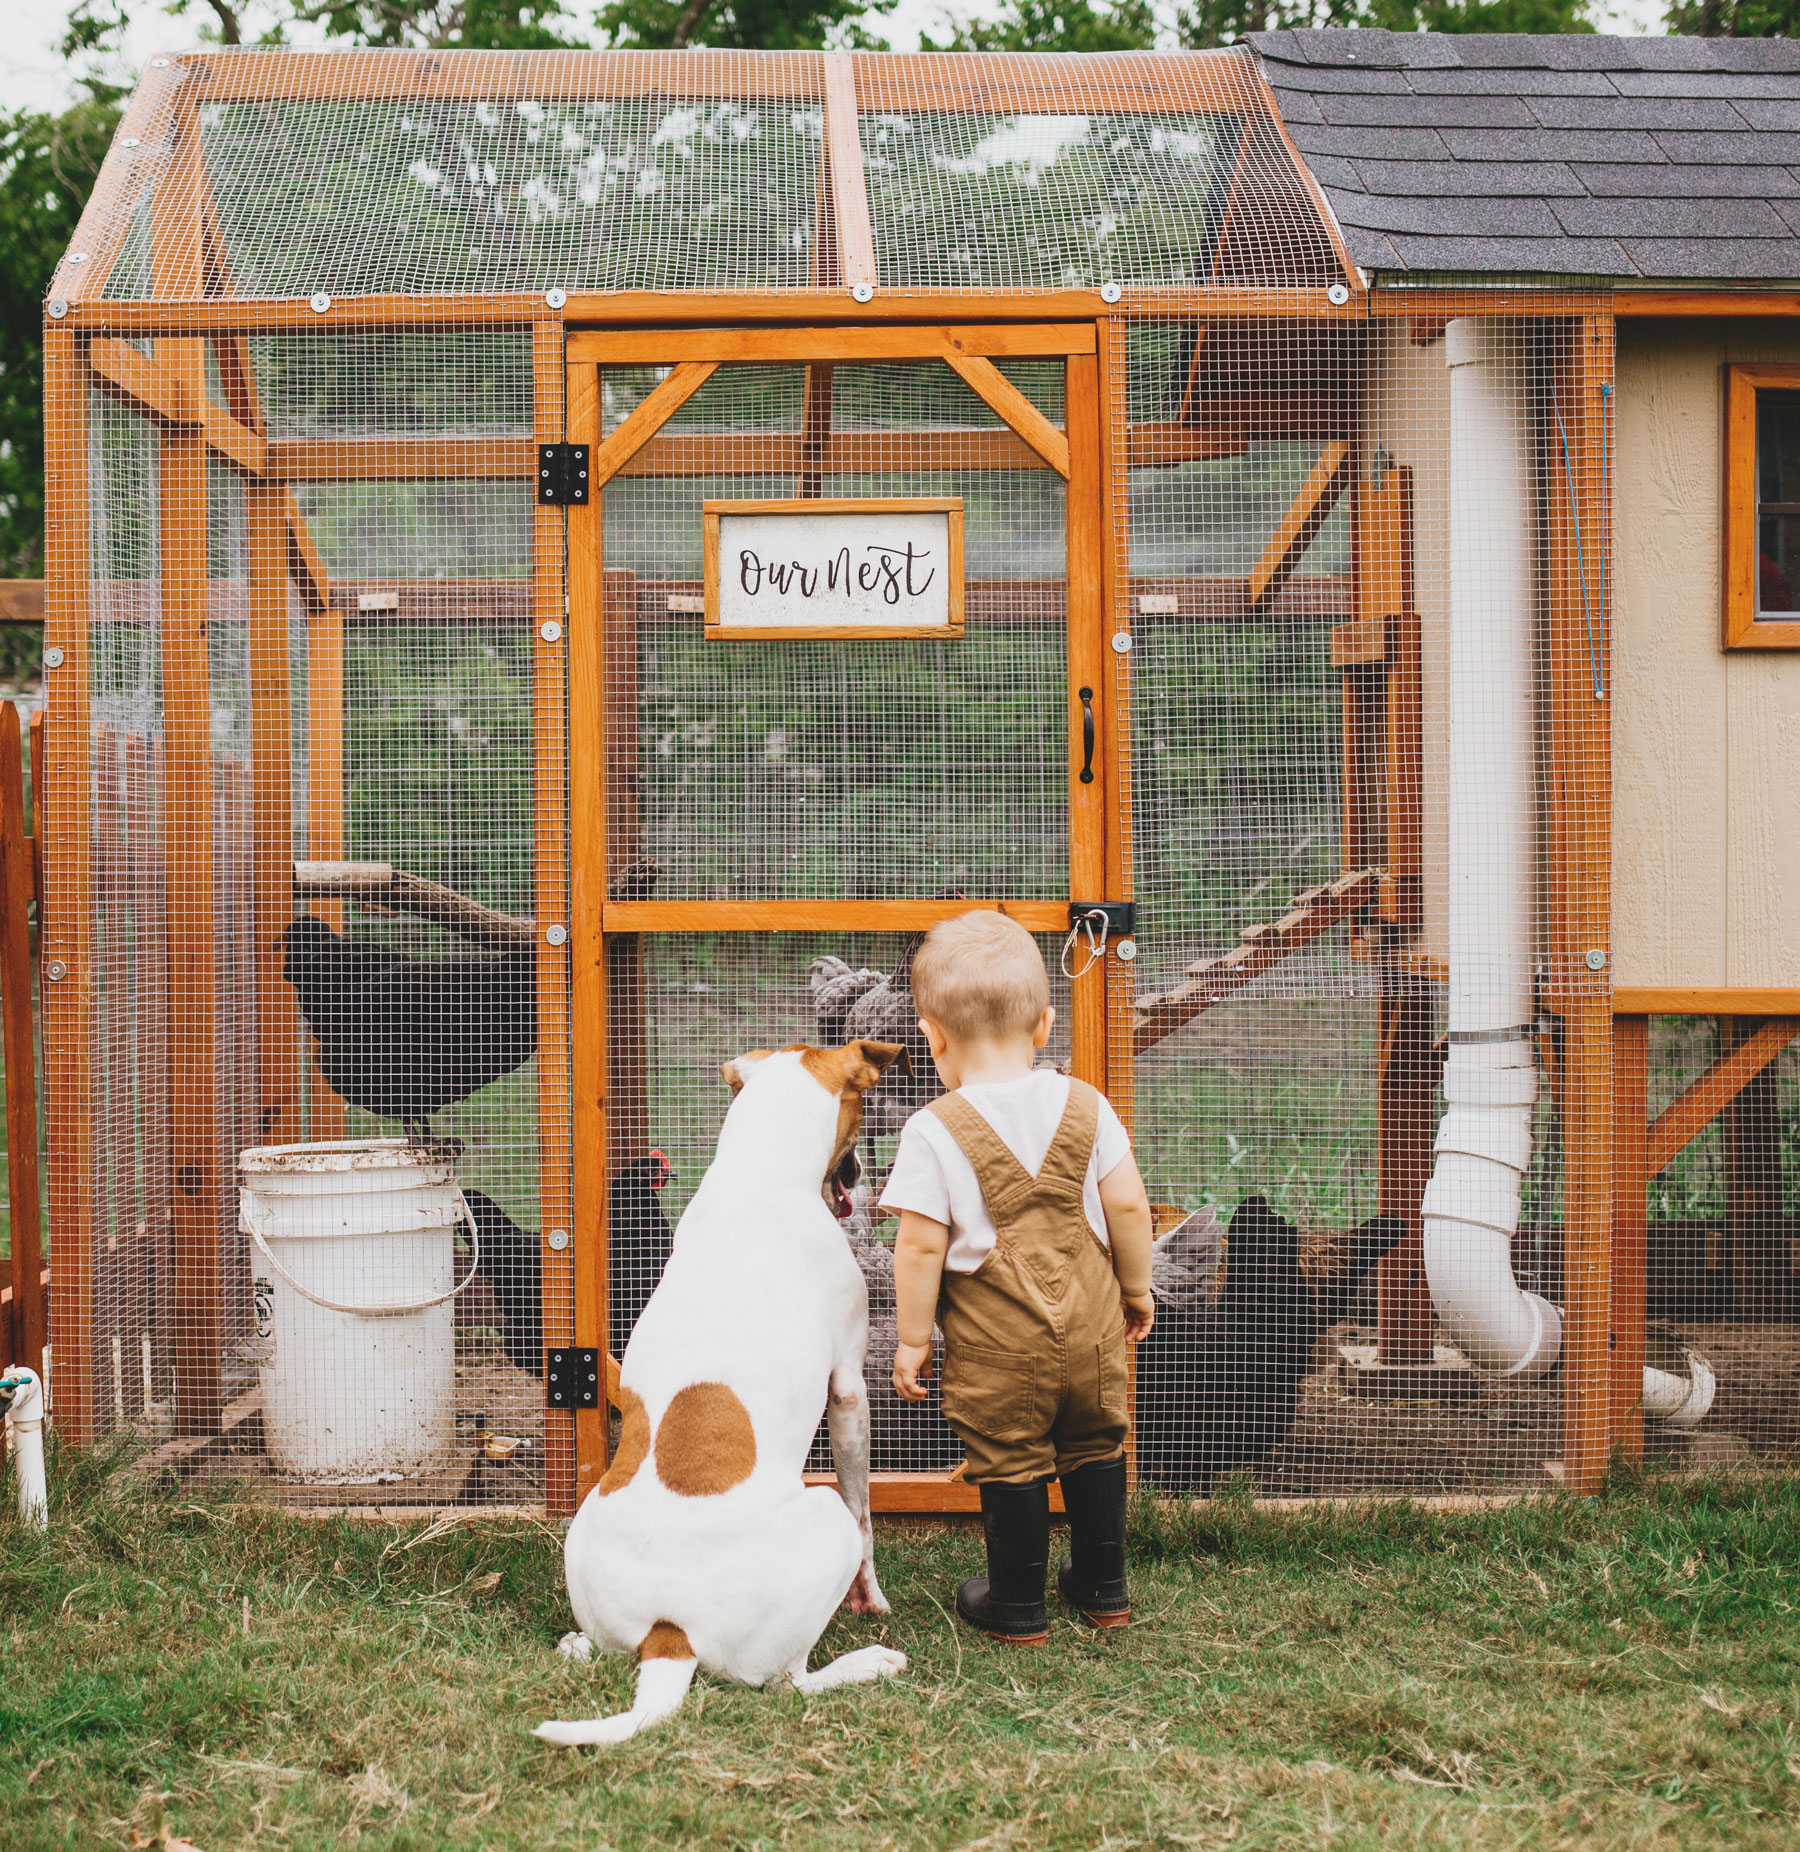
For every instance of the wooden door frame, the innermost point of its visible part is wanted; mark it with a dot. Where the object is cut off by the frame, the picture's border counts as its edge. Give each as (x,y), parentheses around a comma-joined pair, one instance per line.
(1098,834)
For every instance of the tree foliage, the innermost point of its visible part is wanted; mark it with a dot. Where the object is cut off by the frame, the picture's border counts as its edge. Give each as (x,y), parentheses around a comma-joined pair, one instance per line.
(47,169)
(1221,22)
(1735,19)
(1055,25)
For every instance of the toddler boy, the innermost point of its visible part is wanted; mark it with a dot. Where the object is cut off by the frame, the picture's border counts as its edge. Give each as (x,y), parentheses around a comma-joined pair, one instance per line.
(1024,1232)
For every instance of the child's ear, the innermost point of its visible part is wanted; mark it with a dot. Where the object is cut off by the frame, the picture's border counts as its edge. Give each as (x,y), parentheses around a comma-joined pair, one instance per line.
(935,1039)
(1040,1036)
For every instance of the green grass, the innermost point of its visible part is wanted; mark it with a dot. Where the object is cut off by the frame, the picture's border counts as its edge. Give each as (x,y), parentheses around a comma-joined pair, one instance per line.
(1610,1674)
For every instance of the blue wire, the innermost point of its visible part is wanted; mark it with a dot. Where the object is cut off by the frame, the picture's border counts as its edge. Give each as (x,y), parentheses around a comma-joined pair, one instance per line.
(1587,615)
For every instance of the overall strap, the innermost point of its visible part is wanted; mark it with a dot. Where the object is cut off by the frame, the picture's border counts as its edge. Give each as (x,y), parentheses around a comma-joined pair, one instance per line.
(1072,1149)
(1006,1185)
(999,1173)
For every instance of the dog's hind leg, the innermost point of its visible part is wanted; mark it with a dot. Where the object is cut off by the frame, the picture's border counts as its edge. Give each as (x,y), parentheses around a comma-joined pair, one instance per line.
(666,1668)
(861,1667)
(847,1417)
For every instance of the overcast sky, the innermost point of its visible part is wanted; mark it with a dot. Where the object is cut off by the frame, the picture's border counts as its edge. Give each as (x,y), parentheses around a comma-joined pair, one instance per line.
(32,74)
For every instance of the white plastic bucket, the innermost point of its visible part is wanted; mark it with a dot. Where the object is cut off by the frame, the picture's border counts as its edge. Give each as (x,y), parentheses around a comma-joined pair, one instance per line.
(358,1243)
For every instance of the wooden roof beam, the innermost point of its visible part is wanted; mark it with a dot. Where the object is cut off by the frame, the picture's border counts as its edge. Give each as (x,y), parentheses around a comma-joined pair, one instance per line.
(849,183)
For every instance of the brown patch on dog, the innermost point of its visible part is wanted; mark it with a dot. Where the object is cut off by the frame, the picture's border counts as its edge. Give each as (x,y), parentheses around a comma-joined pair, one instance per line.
(849,1072)
(634,1443)
(666,1641)
(704,1443)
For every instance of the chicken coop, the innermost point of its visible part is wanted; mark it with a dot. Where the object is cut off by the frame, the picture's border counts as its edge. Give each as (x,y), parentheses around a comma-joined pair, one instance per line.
(563,565)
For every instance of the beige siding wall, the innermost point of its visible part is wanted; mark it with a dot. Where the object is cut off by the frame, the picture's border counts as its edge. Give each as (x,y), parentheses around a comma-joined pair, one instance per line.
(1706,742)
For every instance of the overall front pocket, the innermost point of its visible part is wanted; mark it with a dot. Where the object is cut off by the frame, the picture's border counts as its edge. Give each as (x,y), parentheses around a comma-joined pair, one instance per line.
(990,1391)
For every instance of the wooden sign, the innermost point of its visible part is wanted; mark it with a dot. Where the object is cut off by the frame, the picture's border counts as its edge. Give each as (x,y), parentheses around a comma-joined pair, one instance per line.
(834,568)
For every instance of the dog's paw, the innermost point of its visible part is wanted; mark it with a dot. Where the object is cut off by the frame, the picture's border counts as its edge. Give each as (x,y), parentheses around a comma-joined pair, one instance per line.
(865,1596)
(575,1646)
(597,1730)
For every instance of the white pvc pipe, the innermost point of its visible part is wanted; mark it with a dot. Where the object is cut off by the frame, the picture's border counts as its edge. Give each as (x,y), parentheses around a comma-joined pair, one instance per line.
(1471,1206)
(25,1423)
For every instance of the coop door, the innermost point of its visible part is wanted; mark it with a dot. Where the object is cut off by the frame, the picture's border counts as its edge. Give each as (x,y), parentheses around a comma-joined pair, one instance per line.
(839,670)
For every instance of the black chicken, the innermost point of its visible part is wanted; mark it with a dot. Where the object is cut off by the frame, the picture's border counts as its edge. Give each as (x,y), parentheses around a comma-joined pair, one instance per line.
(1218,1380)
(402,1037)
(638,1240)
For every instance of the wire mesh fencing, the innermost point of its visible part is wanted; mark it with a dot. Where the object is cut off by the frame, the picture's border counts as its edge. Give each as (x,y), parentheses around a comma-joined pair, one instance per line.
(1284,620)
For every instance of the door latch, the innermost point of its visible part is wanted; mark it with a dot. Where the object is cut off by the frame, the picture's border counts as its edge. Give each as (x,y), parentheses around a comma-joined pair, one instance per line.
(562,475)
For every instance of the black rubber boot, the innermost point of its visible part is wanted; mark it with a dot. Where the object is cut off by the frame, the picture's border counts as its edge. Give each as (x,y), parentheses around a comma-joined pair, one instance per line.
(1092,1577)
(1008,1602)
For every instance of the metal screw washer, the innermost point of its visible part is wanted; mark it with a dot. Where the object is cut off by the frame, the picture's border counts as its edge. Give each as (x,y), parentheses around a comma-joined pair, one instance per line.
(863,292)
(558,1239)
(1125,950)
(56,971)
(128,141)
(1121,642)
(1110,292)
(53,658)
(555,298)
(320,303)
(159,64)
(556,935)
(78,257)
(1596,960)
(58,308)
(551,631)
(1337,295)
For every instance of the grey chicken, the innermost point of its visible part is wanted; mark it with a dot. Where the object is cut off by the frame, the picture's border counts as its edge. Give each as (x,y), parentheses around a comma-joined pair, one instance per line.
(848,1004)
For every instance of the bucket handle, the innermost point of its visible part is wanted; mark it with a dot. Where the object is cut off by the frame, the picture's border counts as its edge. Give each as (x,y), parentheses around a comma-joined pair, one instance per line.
(379,1311)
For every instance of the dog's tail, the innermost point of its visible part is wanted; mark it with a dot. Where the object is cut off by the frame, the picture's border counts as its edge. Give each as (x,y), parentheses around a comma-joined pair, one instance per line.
(666,1667)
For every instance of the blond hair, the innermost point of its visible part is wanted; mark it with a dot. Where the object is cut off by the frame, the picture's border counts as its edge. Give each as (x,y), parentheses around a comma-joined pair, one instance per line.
(980,977)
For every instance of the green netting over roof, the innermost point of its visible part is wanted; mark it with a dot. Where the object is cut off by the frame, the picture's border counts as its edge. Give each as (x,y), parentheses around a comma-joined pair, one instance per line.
(358,173)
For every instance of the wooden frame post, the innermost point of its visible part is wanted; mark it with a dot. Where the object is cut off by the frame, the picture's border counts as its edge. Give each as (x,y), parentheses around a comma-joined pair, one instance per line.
(550,865)
(21,1050)
(63,802)
(187,811)
(1086,565)
(1630,1231)
(1580,375)
(589,1084)
(279,1119)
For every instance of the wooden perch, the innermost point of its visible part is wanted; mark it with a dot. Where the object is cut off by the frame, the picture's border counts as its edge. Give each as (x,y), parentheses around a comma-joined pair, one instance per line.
(1212,980)
(382,887)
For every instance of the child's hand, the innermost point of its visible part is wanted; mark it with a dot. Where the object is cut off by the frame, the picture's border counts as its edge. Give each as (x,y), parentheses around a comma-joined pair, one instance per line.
(912,1371)
(1140,1315)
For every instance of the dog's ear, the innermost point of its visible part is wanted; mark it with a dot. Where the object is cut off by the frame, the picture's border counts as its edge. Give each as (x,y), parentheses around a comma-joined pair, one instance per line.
(737,1069)
(877,1058)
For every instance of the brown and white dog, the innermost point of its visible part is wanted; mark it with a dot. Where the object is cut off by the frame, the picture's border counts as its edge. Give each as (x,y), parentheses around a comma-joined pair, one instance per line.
(703,1545)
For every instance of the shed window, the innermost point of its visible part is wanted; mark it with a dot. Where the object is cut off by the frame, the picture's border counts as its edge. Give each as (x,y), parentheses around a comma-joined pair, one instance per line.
(1762,508)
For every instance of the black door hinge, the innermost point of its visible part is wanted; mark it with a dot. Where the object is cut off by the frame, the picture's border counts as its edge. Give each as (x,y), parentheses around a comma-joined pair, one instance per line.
(1120,915)
(572,1378)
(562,474)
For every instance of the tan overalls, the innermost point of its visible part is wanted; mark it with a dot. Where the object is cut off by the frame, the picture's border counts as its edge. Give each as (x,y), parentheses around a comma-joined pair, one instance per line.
(1034,1338)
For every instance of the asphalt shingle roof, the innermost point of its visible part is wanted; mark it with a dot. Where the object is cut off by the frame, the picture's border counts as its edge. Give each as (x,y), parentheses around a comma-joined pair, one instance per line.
(1677,159)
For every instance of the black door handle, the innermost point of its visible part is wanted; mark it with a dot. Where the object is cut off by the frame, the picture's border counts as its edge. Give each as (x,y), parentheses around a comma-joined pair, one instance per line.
(1087,736)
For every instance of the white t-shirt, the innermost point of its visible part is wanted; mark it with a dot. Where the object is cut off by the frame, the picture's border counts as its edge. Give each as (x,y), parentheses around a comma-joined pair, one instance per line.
(932,1177)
